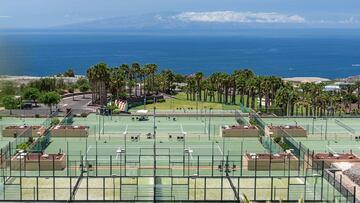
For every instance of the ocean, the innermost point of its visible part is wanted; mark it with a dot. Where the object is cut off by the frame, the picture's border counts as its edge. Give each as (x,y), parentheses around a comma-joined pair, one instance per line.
(41,54)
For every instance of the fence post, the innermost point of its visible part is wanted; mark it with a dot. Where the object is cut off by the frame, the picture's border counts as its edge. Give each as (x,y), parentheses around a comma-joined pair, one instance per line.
(354,196)
(255,177)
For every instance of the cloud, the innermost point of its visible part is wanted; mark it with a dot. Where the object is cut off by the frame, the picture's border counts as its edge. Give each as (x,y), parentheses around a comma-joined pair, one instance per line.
(350,20)
(5,16)
(238,17)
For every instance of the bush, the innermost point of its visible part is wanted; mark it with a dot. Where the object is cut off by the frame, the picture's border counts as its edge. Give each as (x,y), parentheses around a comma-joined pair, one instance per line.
(284,146)
(55,121)
(160,100)
(22,146)
(123,96)
(277,139)
(37,115)
(252,121)
(84,114)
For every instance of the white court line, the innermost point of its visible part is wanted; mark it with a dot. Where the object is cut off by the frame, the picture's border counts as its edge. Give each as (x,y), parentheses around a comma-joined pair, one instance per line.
(182,129)
(126,128)
(221,152)
(345,148)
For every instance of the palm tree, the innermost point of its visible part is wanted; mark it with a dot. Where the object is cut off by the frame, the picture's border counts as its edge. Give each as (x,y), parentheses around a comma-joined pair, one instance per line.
(252,86)
(240,84)
(151,70)
(190,88)
(99,78)
(357,86)
(198,78)
(117,81)
(136,71)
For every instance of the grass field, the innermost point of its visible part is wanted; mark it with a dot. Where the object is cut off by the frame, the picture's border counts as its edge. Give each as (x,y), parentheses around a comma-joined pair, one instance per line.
(180,101)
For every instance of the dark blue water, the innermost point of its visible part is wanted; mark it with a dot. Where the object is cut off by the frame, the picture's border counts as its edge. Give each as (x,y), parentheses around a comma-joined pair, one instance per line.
(45,54)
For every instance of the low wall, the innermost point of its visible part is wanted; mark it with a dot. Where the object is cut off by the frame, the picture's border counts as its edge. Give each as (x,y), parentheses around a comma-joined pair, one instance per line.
(239,131)
(294,131)
(35,162)
(11,131)
(329,160)
(281,163)
(69,131)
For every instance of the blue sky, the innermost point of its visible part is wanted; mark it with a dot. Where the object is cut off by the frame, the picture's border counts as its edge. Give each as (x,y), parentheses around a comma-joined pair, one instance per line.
(49,13)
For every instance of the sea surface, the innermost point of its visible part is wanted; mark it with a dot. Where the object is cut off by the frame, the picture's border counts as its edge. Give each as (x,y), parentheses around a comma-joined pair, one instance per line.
(41,54)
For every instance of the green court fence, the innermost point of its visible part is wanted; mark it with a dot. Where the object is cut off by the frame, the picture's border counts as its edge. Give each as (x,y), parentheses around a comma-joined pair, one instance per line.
(348,128)
(170,188)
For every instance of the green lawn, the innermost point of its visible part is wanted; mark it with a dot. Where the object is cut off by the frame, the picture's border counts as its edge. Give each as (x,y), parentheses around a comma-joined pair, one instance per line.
(180,101)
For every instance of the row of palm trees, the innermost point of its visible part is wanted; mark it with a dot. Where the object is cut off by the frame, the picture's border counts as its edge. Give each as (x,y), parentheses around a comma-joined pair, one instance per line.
(271,94)
(268,94)
(128,81)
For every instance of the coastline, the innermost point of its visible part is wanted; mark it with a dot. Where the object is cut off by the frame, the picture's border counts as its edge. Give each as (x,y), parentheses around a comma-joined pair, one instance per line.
(25,79)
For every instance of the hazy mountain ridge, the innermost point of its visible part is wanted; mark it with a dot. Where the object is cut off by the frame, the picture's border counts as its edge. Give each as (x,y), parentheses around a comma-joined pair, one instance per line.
(168,22)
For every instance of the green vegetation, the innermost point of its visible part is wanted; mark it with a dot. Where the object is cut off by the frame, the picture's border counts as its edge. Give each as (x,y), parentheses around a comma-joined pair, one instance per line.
(54,121)
(69,73)
(267,94)
(50,99)
(280,142)
(10,102)
(32,93)
(179,101)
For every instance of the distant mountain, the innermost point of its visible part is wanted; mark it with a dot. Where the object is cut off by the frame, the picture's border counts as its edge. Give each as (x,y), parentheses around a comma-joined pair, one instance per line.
(176,21)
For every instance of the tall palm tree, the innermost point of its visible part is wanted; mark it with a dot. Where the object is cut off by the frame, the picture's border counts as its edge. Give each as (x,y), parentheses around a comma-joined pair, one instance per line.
(99,76)
(198,78)
(117,82)
(136,71)
(190,88)
(152,68)
(357,86)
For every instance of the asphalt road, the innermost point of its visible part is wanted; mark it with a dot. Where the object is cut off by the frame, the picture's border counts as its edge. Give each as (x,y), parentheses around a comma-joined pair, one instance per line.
(78,104)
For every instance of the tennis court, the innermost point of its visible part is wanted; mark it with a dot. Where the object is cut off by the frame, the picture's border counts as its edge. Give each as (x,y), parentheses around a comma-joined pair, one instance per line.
(169,158)
(173,157)
(332,146)
(322,128)
(10,121)
(197,127)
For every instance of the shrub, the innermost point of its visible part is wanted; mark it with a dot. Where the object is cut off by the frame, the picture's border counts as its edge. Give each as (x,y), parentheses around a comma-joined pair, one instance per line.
(84,114)
(22,146)
(37,115)
(160,100)
(55,121)
(277,139)
(252,121)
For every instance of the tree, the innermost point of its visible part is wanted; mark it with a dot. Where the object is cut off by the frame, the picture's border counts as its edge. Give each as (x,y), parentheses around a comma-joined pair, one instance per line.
(10,102)
(69,73)
(99,77)
(32,93)
(50,99)
(136,72)
(84,88)
(198,78)
(71,89)
(357,86)
(8,88)
(150,70)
